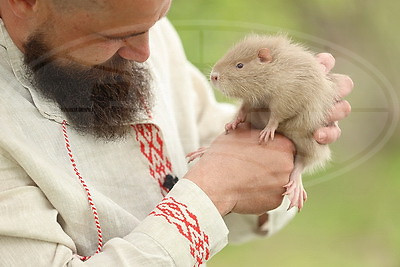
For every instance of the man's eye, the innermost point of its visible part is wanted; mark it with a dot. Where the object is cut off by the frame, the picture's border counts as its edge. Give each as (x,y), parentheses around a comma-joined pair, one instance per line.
(239,65)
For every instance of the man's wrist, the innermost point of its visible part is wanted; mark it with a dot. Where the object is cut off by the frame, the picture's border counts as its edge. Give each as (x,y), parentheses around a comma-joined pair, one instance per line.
(222,204)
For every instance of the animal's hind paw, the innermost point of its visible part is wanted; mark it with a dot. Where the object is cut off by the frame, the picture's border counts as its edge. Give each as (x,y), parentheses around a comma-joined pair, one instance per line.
(296,194)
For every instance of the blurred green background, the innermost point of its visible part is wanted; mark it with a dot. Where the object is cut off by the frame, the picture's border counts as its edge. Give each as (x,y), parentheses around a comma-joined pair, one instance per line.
(352,217)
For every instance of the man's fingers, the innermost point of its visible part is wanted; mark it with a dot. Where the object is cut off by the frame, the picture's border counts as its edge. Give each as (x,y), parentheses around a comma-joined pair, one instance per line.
(345,84)
(339,111)
(327,60)
(327,135)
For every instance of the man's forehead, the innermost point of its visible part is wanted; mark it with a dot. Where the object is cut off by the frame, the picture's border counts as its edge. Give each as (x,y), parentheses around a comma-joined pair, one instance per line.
(69,5)
(118,18)
(136,8)
(119,14)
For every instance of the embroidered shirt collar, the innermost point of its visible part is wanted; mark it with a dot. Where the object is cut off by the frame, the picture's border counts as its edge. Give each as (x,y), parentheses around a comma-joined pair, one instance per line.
(46,107)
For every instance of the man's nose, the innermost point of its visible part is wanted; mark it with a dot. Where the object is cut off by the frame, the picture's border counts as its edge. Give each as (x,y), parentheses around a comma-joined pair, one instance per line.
(136,48)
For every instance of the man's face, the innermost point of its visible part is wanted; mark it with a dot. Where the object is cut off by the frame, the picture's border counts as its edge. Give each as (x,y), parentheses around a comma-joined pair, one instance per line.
(93,37)
(96,80)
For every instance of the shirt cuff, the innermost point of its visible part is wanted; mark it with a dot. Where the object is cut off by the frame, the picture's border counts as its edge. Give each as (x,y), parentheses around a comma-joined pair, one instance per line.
(187,225)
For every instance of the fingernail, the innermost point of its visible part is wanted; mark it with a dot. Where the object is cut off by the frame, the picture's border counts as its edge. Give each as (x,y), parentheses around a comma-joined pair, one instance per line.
(322,136)
(350,81)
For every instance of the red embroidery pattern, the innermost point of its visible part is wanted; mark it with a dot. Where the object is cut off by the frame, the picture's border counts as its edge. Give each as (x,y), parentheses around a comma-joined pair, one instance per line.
(152,148)
(188,226)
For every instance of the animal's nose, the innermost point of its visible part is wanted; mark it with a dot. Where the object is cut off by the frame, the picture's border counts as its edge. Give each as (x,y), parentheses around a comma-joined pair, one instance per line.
(214,76)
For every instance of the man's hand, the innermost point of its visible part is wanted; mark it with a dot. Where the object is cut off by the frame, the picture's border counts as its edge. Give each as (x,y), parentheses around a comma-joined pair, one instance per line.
(341,109)
(241,176)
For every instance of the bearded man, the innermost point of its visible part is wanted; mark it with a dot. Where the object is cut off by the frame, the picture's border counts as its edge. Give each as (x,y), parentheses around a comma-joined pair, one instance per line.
(93,138)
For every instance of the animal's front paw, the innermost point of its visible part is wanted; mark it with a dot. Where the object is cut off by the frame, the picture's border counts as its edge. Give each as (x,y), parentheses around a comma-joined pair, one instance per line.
(269,131)
(266,134)
(229,127)
(233,124)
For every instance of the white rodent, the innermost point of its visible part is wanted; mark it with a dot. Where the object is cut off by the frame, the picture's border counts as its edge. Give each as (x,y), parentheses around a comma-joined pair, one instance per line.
(284,89)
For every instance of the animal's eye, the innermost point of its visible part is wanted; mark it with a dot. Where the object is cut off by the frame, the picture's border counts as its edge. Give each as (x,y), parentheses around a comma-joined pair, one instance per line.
(239,65)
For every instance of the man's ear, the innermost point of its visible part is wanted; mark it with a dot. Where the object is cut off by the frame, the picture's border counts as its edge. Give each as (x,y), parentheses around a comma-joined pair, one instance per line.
(264,54)
(24,8)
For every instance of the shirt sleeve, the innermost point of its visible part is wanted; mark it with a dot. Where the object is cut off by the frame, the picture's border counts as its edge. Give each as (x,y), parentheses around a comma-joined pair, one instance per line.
(185,229)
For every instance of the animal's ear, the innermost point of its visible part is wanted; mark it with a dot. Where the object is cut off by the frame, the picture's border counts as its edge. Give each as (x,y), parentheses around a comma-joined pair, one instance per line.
(264,54)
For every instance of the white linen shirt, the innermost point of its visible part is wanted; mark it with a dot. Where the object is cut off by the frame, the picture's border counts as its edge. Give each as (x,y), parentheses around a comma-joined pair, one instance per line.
(45,217)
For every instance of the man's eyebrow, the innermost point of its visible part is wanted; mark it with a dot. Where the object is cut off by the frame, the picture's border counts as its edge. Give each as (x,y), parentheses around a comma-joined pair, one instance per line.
(122,37)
